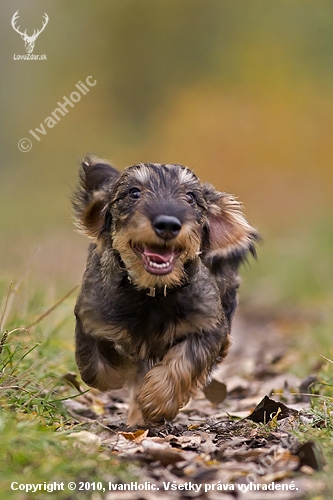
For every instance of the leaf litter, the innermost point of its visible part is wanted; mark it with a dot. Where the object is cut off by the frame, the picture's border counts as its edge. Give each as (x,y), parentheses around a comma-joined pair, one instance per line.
(235,439)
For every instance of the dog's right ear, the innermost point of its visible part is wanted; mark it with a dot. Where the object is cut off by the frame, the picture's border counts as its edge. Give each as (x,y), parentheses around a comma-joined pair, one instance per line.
(230,236)
(92,195)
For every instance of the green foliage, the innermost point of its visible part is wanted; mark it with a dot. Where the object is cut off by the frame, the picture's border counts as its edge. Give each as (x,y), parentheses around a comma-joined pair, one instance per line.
(32,453)
(294,270)
(34,424)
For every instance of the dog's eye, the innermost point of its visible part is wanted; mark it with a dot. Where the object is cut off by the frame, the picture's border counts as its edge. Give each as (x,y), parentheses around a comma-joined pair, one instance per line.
(190,198)
(134,193)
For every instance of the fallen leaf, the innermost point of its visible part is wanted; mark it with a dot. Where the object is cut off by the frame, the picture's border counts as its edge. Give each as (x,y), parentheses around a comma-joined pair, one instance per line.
(193,427)
(310,455)
(86,438)
(267,409)
(215,392)
(162,453)
(137,436)
(71,378)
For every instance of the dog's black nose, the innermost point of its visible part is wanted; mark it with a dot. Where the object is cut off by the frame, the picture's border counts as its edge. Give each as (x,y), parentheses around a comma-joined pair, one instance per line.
(166,226)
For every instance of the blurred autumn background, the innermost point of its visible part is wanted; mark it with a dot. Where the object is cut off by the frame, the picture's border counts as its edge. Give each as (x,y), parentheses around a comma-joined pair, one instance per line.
(239,91)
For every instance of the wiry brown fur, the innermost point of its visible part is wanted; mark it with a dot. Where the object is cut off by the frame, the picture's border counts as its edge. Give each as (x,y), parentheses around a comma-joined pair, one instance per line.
(160,286)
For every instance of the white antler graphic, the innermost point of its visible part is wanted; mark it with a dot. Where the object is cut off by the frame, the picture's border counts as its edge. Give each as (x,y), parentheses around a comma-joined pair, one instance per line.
(29,40)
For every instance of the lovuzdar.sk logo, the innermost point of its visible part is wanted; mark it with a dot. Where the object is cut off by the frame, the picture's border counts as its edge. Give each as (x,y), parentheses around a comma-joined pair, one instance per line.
(29,41)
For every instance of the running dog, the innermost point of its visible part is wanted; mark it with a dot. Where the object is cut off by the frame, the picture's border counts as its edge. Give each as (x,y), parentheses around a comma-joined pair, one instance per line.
(160,286)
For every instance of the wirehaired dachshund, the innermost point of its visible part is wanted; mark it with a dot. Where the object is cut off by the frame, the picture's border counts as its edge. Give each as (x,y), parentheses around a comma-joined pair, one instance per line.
(160,287)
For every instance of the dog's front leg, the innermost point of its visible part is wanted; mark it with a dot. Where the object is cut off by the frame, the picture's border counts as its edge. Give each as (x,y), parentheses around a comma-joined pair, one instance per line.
(100,364)
(170,383)
(134,411)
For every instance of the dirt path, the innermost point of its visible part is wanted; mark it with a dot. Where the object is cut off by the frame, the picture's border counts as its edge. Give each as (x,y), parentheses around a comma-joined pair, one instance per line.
(212,450)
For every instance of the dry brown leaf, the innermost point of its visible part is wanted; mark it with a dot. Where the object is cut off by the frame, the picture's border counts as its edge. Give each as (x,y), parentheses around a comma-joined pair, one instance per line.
(193,427)
(162,453)
(137,436)
(71,378)
(215,392)
(310,455)
(86,438)
(267,409)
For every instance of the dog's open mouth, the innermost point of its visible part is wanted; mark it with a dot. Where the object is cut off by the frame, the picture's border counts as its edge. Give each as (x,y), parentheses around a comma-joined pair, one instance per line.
(156,260)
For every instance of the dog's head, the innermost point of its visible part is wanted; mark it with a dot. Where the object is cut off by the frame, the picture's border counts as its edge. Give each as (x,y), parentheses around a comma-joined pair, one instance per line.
(158,218)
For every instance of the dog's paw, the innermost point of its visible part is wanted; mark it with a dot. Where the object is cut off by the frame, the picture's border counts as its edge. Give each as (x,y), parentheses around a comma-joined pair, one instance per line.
(135,417)
(160,397)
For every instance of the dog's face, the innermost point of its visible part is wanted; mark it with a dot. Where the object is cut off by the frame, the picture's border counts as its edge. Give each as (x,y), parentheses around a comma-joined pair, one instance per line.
(158,218)
(157,213)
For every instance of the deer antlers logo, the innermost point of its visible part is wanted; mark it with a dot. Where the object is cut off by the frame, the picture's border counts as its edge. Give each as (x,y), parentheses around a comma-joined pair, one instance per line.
(29,40)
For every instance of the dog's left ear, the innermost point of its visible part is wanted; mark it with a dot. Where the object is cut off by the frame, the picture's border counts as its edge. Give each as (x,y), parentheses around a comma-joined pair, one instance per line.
(91,198)
(229,235)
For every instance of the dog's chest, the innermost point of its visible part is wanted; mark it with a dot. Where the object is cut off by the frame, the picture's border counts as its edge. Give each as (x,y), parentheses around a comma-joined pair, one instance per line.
(145,327)
(151,317)
(151,326)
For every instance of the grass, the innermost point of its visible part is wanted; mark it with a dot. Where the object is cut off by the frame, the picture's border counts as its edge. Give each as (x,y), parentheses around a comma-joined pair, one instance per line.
(35,427)
(321,430)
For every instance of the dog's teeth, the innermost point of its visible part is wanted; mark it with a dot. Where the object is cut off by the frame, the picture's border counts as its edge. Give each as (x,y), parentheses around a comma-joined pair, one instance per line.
(163,265)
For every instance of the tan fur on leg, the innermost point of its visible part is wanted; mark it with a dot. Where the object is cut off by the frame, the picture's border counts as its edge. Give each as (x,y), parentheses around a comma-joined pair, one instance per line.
(168,386)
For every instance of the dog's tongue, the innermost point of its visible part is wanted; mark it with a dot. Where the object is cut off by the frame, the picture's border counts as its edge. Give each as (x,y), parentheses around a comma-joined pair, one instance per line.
(160,256)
